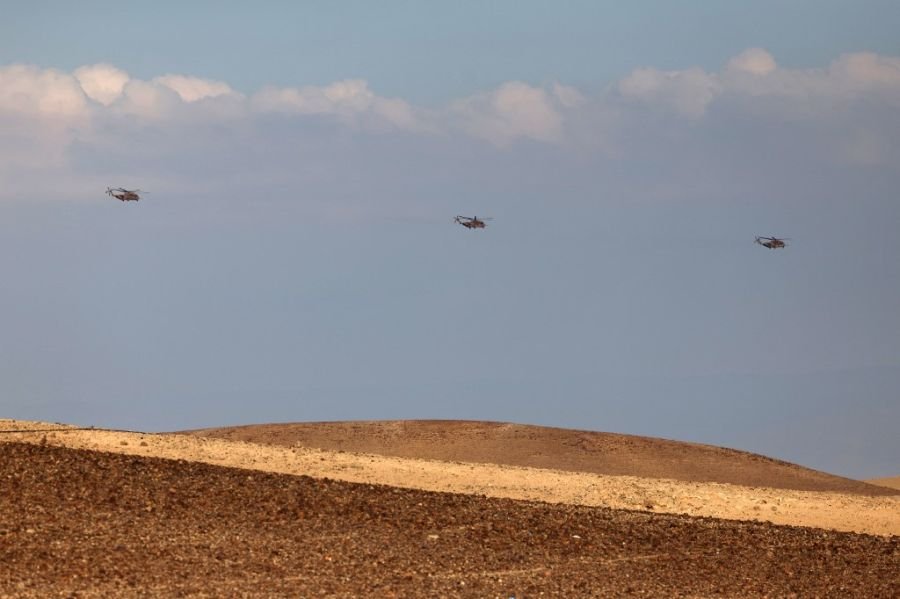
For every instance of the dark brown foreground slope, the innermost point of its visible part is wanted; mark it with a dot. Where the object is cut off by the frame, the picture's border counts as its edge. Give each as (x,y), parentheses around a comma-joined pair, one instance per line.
(81,523)
(544,447)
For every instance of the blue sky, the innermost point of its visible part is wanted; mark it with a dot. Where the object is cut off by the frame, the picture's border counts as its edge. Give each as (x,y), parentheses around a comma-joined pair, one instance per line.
(296,259)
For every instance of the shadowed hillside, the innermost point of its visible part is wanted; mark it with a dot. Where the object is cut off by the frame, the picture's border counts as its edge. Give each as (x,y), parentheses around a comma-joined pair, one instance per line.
(92,524)
(544,447)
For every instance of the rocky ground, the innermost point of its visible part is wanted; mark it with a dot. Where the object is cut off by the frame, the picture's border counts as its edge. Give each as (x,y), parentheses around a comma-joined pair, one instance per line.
(78,523)
(297,510)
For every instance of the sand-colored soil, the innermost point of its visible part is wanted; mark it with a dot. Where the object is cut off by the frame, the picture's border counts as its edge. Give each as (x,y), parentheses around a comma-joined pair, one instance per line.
(547,448)
(890,482)
(879,515)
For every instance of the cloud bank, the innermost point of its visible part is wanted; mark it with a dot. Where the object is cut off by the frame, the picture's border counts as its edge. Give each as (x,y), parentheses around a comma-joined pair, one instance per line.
(50,117)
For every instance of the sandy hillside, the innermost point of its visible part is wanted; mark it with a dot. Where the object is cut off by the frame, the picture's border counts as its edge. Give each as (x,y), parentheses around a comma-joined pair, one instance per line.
(547,448)
(844,511)
(891,482)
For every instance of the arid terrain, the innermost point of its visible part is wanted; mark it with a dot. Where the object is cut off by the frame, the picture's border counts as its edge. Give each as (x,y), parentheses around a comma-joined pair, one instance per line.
(891,482)
(432,509)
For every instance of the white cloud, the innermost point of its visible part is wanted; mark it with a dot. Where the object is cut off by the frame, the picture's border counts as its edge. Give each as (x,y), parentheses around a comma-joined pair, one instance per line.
(40,110)
(851,75)
(148,100)
(351,101)
(567,96)
(102,83)
(512,111)
(686,92)
(398,113)
(866,70)
(343,97)
(754,61)
(753,76)
(28,90)
(866,74)
(191,89)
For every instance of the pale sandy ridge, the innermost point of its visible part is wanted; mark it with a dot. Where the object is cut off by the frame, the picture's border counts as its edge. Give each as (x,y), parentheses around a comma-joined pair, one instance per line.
(851,513)
(891,482)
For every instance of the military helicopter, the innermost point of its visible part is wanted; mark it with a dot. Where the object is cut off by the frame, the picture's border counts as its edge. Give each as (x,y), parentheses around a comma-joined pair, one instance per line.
(125,195)
(773,243)
(471,222)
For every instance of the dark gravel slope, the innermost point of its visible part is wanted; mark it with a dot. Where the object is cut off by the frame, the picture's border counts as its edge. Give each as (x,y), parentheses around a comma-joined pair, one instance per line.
(79,523)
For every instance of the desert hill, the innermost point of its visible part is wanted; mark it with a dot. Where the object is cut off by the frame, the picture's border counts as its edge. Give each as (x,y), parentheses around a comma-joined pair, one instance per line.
(891,482)
(550,448)
(75,522)
(877,513)
(92,512)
